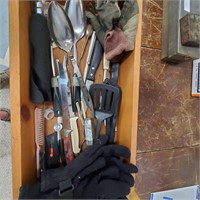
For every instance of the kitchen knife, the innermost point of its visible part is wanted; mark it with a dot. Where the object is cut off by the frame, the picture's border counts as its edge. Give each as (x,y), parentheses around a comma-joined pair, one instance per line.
(95,61)
(58,127)
(73,118)
(66,128)
(90,51)
(76,93)
(57,104)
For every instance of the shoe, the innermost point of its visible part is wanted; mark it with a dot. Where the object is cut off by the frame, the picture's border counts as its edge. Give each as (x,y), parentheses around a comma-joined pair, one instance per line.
(7,114)
(4,79)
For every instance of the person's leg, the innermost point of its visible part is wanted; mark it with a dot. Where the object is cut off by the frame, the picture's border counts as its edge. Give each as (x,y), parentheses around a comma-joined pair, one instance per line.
(4,114)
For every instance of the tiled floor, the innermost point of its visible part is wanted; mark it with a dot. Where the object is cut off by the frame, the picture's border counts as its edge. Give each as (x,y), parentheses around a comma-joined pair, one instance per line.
(168,126)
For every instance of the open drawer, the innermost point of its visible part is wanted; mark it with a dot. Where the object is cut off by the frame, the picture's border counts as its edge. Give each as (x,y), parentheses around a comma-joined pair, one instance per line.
(22,125)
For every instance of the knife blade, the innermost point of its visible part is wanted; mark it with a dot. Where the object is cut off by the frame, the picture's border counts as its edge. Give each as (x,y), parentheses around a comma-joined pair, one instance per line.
(66,128)
(57,104)
(73,118)
(95,61)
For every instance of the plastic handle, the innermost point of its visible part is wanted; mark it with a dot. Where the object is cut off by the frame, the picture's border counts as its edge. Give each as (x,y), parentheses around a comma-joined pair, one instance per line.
(62,151)
(74,135)
(76,94)
(95,61)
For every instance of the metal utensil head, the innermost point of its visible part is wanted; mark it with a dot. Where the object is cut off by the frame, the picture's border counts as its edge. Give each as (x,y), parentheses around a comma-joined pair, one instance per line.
(60,27)
(76,13)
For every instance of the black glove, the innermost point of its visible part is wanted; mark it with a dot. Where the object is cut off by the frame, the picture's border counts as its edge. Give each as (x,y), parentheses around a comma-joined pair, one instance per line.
(81,166)
(113,181)
(91,162)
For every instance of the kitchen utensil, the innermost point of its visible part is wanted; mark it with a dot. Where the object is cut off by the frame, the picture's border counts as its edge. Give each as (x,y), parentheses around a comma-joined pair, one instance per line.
(106,66)
(94,64)
(58,127)
(88,127)
(51,151)
(40,58)
(73,118)
(39,138)
(114,73)
(66,128)
(88,33)
(57,104)
(62,33)
(90,51)
(80,114)
(76,14)
(104,98)
(76,93)
(111,122)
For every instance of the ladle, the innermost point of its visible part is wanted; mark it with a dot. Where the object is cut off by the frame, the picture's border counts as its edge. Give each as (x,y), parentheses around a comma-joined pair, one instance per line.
(61,31)
(76,13)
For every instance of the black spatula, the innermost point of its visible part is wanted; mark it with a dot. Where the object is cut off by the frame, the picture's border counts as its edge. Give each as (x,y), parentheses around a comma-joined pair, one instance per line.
(104,100)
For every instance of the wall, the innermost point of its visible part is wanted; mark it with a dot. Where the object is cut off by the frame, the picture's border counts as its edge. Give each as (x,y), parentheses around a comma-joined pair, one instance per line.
(168,124)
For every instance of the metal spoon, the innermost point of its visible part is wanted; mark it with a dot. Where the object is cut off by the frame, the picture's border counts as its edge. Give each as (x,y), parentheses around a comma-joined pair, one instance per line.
(62,33)
(89,32)
(76,14)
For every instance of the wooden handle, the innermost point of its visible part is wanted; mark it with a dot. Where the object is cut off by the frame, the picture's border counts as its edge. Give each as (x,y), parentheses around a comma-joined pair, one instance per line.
(74,135)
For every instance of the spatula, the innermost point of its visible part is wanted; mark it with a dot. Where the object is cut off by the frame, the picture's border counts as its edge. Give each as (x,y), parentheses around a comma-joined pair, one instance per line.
(104,99)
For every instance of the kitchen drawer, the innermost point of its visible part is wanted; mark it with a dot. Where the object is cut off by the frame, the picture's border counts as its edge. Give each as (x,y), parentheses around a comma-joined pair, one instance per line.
(22,125)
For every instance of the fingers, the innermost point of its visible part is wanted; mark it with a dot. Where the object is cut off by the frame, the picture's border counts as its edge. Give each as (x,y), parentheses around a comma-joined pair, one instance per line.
(124,167)
(109,188)
(115,150)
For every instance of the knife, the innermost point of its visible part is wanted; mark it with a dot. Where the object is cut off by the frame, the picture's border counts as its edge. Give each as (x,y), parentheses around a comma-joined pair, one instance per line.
(95,61)
(66,128)
(76,93)
(73,118)
(90,51)
(57,104)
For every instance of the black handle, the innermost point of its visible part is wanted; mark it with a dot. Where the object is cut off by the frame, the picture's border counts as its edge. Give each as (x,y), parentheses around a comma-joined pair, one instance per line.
(114,73)
(62,151)
(52,151)
(57,104)
(95,61)
(76,93)
(40,72)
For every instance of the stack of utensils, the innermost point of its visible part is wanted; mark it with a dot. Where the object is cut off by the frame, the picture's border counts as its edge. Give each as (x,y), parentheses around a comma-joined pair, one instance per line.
(79,108)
